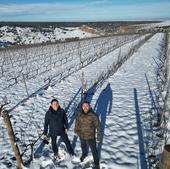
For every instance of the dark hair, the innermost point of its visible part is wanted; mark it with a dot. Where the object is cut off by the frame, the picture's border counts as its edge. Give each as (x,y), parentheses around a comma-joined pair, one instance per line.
(54,100)
(87,102)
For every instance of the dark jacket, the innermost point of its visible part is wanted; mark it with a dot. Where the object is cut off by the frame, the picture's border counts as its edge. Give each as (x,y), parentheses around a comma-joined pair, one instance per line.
(87,126)
(56,121)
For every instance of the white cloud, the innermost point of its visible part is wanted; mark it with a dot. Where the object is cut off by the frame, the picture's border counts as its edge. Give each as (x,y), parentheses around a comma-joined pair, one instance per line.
(100,1)
(15,8)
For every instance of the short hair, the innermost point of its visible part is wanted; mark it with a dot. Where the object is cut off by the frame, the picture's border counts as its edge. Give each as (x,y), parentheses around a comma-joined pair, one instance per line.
(54,100)
(86,102)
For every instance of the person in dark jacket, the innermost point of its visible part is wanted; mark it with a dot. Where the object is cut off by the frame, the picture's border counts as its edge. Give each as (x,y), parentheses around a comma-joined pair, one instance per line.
(56,121)
(87,126)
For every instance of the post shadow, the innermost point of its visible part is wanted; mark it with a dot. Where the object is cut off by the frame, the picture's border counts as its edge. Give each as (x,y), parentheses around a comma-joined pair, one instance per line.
(153,103)
(143,162)
(155,107)
(71,116)
(103,108)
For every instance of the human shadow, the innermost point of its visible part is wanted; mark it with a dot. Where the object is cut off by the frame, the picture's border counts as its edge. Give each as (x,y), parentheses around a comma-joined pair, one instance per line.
(103,108)
(88,95)
(143,162)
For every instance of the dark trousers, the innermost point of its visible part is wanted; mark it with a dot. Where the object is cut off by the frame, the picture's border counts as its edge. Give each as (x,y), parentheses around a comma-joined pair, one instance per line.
(65,139)
(92,145)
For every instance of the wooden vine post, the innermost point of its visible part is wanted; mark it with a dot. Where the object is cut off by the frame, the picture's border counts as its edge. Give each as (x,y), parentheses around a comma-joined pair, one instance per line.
(165,161)
(8,124)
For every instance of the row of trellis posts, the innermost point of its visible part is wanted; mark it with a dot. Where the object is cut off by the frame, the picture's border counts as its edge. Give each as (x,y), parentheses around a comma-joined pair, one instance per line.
(165,157)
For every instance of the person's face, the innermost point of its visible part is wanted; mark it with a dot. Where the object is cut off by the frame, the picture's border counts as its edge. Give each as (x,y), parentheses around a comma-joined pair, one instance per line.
(55,105)
(86,107)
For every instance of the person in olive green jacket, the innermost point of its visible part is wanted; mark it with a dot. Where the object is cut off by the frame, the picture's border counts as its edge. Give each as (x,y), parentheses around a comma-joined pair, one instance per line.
(87,127)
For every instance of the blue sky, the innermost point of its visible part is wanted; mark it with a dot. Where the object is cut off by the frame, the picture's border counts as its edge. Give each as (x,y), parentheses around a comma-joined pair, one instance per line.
(83,10)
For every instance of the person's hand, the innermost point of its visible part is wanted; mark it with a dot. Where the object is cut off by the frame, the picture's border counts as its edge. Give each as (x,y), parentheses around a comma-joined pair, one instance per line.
(44,137)
(75,135)
(98,141)
(66,130)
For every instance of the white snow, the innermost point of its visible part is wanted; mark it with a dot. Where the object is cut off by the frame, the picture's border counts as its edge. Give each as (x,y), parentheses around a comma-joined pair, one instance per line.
(120,102)
(28,35)
(163,23)
(71,33)
(155,25)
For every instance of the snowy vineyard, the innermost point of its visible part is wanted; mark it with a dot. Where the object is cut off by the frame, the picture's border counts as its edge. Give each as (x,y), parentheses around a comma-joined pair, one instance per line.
(52,62)
(126,79)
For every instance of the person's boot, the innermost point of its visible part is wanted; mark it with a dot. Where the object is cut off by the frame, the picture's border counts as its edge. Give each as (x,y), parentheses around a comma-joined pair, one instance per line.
(82,158)
(72,156)
(57,157)
(96,166)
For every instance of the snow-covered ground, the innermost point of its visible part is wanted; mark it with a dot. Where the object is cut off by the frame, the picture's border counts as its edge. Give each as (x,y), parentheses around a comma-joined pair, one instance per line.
(153,26)
(10,35)
(120,102)
(163,23)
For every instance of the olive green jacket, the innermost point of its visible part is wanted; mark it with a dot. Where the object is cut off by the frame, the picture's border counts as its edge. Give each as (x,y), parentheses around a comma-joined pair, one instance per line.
(87,126)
